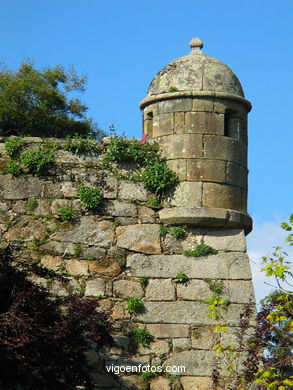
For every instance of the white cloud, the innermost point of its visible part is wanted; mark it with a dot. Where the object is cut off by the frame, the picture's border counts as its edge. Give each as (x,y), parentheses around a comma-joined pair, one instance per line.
(260,242)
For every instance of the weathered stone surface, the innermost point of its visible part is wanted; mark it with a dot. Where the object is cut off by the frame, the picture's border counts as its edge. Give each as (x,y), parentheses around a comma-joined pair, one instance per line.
(134,382)
(174,105)
(225,148)
(117,254)
(185,312)
(125,221)
(236,175)
(60,248)
(127,288)
(19,187)
(162,331)
(89,230)
(27,228)
(19,206)
(198,216)
(239,291)
(95,288)
(51,262)
(242,220)
(110,186)
(179,122)
(186,194)
(160,290)
(195,362)
(93,253)
(119,311)
(222,196)
(43,207)
(204,337)
(163,125)
(160,384)
(68,189)
(136,361)
(196,383)
(77,267)
(181,146)
(146,215)
(226,239)
(157,347)
(206,170)
(50,189)
(233,265)
(139,238)
(130,190)
(204,123)
(179,166)
(107,267)
(194,289)
(122,209)
(181,345)
(203,104)
(57,203)
(58,288)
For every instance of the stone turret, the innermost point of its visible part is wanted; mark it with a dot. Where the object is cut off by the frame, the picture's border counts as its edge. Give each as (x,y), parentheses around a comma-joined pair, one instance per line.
(195,108)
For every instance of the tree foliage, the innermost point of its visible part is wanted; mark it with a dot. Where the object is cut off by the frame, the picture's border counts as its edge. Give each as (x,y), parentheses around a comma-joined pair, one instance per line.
(36,103)
(43,340)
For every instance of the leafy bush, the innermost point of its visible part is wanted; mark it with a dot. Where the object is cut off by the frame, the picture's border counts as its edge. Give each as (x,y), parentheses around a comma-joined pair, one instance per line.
(201,250)
(43,341)
(32,204)
(122,149)
(157,177)
(36,103)
(13,167)
(134,305)
(163,230)
(12,146)
(38,161)
(181,278)
(66,213)
(142,336)
(178,232)
(77,250)
(90,197)
(79,145)
(144,282)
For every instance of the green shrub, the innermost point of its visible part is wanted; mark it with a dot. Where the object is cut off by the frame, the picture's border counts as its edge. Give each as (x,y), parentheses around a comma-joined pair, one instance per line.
(90,197)
(144,282)
(38,161)
(66,213)
(32,204)
(181,278)
(201,250)
(143,337)
(13,146)
(13,168)
(77,250)
(163,230)
(122,149)
(148,375)
(79,145)
(154,202)
(178,232)
(134,305)
(158,177)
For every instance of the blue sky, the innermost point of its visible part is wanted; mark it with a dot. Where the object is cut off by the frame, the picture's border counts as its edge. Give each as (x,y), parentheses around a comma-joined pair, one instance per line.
(122,44)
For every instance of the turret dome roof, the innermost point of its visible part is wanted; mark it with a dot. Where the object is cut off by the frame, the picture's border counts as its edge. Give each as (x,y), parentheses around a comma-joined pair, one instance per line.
(196,72)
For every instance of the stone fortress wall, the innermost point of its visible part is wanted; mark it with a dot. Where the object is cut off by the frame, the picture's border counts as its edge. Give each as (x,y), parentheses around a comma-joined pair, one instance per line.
(120,244)
(195,109)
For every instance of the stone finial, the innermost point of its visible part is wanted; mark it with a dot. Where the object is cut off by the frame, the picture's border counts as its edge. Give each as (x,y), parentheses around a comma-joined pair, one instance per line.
(196,44)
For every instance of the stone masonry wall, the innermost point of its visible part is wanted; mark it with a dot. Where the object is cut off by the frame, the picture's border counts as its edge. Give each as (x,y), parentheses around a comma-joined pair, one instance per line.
(120,244)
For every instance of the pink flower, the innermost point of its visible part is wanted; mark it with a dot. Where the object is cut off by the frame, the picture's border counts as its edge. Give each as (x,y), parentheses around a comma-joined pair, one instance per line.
(144,139)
